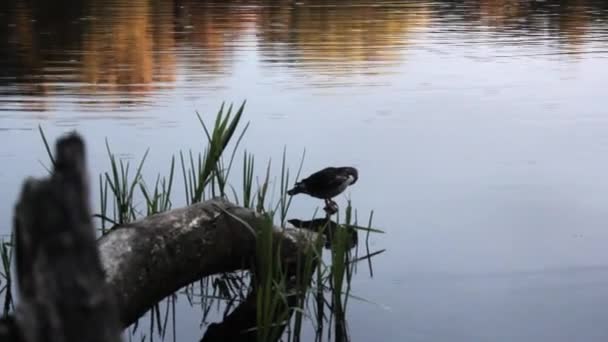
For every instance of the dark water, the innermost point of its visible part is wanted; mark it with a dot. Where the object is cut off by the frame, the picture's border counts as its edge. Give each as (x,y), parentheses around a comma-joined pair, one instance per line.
(479,127)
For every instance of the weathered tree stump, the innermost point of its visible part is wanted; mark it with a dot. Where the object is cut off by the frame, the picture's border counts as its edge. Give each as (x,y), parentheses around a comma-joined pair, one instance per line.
(63,295)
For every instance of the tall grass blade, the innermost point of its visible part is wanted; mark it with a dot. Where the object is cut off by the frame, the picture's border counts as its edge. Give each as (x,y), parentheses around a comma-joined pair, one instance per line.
(46,146)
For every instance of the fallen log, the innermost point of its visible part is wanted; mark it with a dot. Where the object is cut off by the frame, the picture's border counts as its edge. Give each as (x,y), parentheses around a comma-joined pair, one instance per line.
(147,260)
(329,229)
(74,288)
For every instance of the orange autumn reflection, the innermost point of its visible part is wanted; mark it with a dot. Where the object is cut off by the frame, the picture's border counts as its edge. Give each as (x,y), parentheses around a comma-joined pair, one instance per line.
(114,52)
(119,56)
(337,39)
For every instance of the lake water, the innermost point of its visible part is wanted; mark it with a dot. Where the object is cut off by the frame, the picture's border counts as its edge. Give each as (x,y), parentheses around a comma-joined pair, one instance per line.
(479,128)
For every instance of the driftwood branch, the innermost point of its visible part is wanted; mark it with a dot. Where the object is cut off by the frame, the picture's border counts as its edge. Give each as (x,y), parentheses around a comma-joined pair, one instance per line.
(329,229)
(241,324)
(147,260)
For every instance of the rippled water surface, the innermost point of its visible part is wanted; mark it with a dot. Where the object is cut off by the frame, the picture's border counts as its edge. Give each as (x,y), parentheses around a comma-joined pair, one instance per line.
(479,128)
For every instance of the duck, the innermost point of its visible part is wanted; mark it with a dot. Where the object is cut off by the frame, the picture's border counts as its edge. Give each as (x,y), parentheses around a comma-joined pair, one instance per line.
(326,184)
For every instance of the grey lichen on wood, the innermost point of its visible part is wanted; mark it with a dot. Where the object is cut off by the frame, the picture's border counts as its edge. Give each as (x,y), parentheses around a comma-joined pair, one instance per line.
(149,259)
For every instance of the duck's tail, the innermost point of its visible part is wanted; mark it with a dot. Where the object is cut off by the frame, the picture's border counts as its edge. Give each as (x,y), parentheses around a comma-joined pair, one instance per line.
(297,189)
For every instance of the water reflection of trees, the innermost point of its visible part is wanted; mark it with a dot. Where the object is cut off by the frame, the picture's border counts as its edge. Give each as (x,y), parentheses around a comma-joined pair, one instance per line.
(566,21)
(100,46)
(26,44)
(207,32)
(339,38)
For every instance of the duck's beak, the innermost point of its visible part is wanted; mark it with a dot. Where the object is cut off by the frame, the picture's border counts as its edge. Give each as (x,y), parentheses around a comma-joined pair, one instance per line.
(353,179)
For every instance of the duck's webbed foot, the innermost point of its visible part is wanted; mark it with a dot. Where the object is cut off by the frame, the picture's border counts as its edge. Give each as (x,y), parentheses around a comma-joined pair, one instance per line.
(331,207)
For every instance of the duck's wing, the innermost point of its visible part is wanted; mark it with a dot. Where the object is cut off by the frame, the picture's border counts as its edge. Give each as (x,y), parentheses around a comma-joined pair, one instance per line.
(327,178)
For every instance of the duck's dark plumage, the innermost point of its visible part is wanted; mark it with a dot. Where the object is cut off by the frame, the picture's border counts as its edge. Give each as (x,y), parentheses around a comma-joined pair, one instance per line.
(327,183)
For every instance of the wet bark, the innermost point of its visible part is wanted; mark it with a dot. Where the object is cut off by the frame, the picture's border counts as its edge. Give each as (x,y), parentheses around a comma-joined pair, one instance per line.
(150,259)
(241,324)
(63,296)
(329,229)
